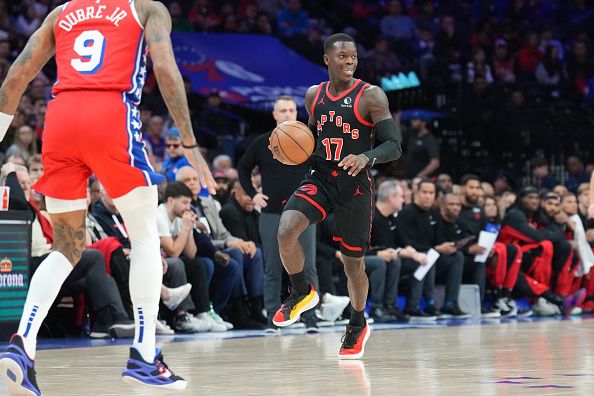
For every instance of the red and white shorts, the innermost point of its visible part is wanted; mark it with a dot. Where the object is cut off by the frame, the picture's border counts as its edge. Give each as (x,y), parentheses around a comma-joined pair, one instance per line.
(90,132)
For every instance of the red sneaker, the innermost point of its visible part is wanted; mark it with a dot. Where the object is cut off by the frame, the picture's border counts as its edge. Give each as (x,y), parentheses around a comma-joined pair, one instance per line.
(353,342)
(294,306)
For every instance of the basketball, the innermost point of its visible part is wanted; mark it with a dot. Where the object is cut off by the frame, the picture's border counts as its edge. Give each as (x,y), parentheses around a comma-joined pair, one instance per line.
(292,142)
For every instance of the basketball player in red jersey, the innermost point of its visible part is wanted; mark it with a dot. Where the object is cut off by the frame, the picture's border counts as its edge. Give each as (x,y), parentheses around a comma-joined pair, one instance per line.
(346,115)
(92,126)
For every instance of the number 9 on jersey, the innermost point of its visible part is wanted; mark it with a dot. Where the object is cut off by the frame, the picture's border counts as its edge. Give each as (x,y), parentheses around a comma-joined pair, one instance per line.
(90,45)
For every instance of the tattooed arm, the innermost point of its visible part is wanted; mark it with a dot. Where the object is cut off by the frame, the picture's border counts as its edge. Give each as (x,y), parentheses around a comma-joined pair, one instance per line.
(39,49)
(157,28)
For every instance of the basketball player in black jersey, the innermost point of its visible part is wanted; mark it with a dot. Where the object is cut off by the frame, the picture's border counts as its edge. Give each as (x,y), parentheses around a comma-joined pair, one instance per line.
(347,116)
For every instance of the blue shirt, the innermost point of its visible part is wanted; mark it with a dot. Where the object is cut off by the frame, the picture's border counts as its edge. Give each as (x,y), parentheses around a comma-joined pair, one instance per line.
(171,165)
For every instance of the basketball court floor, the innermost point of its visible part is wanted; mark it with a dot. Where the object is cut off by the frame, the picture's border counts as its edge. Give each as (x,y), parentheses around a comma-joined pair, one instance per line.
(511,357)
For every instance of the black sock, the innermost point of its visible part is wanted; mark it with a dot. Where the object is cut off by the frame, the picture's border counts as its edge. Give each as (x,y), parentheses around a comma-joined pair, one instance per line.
(300,283)
(357,318)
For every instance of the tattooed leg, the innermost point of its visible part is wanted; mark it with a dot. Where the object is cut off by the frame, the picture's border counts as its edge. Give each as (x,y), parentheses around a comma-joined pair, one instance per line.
(69,234)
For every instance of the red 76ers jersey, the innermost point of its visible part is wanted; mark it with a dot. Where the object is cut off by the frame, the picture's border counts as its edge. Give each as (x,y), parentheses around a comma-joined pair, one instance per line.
(100,46)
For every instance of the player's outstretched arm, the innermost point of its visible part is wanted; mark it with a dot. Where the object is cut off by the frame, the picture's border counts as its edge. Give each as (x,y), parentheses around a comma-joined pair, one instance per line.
(38,50)
(157,30)
(374,104)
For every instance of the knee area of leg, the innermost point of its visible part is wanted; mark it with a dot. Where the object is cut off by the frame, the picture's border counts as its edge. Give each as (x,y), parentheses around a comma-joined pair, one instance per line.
(234,266)
(95,255)
(287,228)
(286,233)
(207,263)
(258,255)
(373,265)
(396,264)
(354,268)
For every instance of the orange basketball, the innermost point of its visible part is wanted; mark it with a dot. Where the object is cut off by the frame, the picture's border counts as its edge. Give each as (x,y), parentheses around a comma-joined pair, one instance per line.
(292,142)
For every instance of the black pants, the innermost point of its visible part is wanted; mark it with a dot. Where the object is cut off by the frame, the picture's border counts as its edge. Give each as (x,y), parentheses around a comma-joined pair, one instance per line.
(407,269)
(120,271)
(561,252)
(196,275)
(176,277)
(89,277)
(448,270)
(383,280)
(324,268)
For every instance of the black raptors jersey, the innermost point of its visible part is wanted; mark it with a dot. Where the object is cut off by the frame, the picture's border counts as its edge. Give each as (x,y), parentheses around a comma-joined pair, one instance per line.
(342,130)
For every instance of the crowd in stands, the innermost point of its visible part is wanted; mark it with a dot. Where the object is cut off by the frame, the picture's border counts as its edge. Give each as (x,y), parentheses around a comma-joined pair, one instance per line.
(500,67)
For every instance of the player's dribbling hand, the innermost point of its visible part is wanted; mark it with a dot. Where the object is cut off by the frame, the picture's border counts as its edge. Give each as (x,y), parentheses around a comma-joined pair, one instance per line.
(354,163)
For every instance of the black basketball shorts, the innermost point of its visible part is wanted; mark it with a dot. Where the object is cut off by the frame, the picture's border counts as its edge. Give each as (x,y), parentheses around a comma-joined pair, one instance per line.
(329,189)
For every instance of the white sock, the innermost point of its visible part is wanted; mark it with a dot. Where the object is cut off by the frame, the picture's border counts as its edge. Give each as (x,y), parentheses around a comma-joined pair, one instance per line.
(139,211)
(43,290)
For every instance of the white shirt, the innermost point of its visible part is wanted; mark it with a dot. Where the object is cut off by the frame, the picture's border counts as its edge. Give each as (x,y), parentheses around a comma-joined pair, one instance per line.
(165,227)
(39,245)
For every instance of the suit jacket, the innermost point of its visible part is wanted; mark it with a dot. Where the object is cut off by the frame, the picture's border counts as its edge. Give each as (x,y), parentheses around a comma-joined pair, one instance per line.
(207,207)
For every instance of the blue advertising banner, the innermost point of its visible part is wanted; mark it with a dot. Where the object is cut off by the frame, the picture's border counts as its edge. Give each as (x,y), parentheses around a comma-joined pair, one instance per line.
(248,70)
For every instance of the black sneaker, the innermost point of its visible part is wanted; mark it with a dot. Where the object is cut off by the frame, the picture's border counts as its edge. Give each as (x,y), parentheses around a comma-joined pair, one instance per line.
(418,316)
(432,310)
(524,312)
(311,323)
(455,312)
(381,316)
(393,310)
(100,330)
(506,310)
(490,313)
(122,329)
(271,328)
(294,306)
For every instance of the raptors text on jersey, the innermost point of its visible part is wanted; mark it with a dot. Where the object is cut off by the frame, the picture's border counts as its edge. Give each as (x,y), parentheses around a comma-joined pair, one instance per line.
(341,128)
